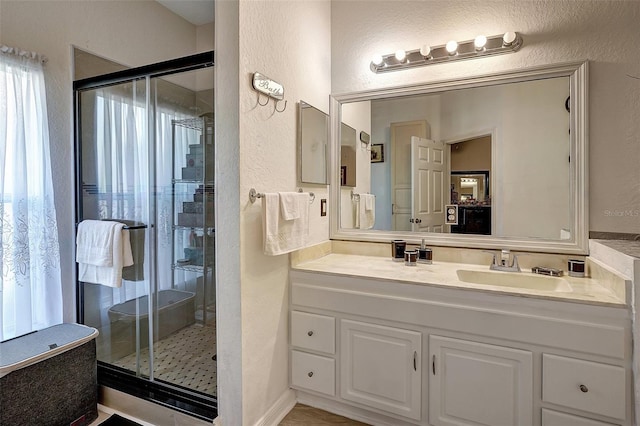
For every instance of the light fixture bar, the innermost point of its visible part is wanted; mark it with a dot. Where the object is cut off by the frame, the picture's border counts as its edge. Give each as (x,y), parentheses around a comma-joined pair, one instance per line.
(509,42)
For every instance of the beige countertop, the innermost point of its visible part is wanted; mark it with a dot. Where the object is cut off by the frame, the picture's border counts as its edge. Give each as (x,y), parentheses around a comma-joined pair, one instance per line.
(605,290)
(628,247)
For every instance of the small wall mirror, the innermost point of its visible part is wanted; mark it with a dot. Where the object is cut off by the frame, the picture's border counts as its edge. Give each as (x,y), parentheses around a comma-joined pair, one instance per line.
(503,147)
(313,137)
(347,155)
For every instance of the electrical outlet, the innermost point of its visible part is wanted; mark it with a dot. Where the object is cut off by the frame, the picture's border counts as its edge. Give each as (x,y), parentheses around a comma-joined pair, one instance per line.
(451,214)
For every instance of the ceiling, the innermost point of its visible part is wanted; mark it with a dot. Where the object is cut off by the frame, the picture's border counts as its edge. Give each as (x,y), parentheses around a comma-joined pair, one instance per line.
(198,12)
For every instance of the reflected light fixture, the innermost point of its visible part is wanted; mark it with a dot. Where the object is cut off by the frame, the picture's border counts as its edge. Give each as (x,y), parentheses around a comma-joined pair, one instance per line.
(482,45)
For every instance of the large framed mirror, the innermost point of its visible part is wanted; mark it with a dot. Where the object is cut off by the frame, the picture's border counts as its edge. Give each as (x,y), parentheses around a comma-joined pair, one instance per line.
(509,149)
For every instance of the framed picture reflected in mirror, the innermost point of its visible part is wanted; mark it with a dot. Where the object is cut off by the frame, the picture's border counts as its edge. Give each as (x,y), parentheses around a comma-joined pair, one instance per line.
(377,153)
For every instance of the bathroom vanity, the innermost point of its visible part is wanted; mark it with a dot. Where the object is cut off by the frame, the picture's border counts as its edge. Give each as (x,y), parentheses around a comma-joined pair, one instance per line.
(388,344)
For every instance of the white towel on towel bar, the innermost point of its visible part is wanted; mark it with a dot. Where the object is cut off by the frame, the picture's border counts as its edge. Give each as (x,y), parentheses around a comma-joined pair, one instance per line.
(121,255)
(369,202)
(291,203)
(282,236)
(94,242)
(367,211)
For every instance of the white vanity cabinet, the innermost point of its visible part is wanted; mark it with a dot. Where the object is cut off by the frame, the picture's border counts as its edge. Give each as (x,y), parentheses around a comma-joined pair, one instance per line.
(399,354)
(313,333)
(476,383)
(380,367)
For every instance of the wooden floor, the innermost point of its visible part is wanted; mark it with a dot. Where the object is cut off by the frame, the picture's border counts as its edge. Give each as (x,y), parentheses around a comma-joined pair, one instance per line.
(309,416)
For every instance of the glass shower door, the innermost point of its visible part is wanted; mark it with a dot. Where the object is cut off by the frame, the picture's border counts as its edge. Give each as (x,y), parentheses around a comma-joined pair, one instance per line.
(184,353)
(115,186)
(146,158)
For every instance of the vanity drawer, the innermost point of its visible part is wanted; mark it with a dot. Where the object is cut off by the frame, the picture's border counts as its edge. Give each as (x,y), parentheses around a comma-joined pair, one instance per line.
(313,372)
(555,418)
(313,332)
(584,385)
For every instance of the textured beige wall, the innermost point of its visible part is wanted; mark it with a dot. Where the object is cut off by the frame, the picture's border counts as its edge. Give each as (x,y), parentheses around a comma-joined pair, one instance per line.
(474,154)
(289,41)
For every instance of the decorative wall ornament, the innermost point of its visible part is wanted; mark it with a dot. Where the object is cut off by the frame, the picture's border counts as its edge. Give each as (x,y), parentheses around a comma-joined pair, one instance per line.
(271,88)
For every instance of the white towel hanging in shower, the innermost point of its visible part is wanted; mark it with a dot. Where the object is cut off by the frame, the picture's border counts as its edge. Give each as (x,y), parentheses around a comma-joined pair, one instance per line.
(121,255)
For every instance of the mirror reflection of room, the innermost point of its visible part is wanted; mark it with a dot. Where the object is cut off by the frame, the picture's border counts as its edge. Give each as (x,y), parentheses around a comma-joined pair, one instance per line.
(500,152)
(470,189)
(313,137)
(347,155)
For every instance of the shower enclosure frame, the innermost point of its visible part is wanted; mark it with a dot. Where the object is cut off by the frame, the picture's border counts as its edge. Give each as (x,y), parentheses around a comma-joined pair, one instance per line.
(163,393)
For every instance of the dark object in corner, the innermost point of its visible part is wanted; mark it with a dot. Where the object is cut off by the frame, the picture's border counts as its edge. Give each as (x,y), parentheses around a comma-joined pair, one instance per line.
(116,420)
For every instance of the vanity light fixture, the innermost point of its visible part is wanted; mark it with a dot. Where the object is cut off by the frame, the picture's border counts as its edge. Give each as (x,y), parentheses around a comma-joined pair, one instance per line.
(377,60)
(508,42)
(425,51)
(452,47)
(401,55)
(480,42)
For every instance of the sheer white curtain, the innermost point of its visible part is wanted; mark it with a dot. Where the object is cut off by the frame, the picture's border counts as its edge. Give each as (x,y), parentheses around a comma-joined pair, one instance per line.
(122,169)
(124,182)
(30,286)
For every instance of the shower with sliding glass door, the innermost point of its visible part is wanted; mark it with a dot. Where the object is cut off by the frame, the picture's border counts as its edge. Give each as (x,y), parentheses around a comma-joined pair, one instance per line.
(145,155)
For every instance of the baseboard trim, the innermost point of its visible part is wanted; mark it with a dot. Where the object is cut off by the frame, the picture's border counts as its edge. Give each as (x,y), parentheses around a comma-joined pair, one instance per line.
(278,410)
(351,412)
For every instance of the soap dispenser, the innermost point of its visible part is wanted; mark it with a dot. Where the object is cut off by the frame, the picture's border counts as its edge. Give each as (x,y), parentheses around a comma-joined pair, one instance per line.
(425,255)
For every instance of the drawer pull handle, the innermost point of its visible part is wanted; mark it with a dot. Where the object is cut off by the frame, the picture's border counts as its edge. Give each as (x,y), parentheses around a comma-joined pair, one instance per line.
(310,333)
(584,389)
(310,374)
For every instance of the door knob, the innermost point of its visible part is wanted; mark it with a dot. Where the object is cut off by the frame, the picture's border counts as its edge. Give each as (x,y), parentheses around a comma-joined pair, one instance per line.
(584,389)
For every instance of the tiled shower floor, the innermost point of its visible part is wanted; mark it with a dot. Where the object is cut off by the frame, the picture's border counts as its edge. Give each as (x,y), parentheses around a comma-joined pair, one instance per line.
(184,358)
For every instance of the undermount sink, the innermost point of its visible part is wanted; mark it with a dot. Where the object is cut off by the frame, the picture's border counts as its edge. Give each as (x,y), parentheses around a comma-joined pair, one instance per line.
(514,280)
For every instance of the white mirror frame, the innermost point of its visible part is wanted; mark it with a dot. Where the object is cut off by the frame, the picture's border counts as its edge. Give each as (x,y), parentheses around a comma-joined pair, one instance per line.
(579,125)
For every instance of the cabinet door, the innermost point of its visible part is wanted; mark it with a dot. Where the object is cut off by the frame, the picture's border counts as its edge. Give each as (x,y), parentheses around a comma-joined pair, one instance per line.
(380,367)
(555,418)
(478,384)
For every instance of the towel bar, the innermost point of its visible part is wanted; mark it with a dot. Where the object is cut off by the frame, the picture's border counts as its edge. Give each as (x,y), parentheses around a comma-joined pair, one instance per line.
(253,195)
(129,227)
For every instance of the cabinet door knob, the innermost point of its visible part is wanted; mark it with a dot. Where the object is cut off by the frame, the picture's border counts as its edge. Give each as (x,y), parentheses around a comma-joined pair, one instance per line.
(310,333)
(310,374)
(584,389)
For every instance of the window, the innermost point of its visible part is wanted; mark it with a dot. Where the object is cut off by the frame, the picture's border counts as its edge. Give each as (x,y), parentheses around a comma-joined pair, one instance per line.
(30,283)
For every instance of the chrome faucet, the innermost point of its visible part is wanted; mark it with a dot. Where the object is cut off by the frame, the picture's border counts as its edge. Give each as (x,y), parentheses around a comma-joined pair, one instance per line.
(508,262)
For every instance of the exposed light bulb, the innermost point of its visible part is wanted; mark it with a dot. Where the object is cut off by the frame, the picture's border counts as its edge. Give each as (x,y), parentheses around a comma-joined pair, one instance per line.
(377,60)
(401,55)
(508,38)
(480,42)
(426,51)
(452,47)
